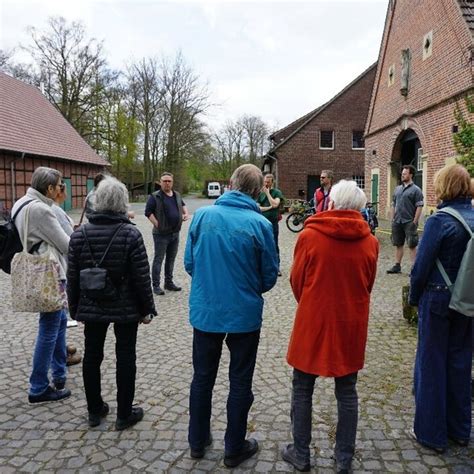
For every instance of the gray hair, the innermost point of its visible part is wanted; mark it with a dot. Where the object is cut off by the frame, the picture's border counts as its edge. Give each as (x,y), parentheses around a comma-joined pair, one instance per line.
(111,196)
(247,179)
(346,195)
(44,177)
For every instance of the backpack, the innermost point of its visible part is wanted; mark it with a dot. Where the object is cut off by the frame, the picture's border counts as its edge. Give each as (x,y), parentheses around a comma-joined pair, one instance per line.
(10,242)
(462,290)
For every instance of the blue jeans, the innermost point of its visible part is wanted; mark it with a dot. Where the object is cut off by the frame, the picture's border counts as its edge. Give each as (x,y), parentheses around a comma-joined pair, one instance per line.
(442,372)
(50,352)
(207,349)
(347,415)
(165,246)
(276,230)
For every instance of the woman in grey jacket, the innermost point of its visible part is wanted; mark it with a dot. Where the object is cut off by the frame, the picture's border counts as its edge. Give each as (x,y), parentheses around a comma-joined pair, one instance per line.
(45,234)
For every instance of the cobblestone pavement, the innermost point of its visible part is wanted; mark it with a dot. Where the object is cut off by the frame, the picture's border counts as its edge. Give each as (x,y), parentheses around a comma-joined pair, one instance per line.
(55,437)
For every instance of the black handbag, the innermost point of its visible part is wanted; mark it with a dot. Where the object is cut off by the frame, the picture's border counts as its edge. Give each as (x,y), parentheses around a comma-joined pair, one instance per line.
(95,282)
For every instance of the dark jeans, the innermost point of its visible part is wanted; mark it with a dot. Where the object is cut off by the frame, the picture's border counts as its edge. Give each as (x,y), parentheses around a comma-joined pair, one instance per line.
(207,349)
(442,374)
(125,342)
(347,414)
(276,230)
(165,246)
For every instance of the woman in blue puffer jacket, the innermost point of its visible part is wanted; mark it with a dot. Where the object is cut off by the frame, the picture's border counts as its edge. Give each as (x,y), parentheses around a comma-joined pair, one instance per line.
(444,352)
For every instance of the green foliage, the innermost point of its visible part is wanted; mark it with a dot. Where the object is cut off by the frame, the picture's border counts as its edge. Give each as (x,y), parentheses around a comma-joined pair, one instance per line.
(464,138)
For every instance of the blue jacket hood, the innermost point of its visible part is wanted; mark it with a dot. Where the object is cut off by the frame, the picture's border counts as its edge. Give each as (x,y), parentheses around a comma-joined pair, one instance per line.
(238,199)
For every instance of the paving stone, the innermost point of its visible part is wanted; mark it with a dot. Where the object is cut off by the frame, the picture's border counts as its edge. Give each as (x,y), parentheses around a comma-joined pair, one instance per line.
(55,437)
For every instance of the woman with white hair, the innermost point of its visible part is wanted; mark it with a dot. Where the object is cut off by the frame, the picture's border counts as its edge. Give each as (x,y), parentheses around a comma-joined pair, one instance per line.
(109,282)
(335,261)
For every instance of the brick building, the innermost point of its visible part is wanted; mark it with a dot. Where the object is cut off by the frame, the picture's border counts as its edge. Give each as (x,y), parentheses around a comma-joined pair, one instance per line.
(425,69)
(329,137)
(34,133)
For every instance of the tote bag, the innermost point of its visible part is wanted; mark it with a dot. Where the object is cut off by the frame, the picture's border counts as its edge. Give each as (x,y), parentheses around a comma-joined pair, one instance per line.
(36,286)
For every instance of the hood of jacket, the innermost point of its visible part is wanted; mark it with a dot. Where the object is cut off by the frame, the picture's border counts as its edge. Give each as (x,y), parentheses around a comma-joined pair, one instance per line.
(237,199)
(339,224)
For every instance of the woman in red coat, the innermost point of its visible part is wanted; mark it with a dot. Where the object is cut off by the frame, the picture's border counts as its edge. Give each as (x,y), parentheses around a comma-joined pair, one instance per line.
(335,262)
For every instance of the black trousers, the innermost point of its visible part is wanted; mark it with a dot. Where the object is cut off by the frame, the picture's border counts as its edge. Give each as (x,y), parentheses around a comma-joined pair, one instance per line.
(125,345)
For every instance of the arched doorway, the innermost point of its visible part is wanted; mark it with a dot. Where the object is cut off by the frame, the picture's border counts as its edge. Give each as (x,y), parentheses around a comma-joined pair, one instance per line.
(408,151)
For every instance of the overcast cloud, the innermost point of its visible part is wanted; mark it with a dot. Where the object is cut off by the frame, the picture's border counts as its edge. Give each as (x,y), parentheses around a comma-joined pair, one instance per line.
(277,60)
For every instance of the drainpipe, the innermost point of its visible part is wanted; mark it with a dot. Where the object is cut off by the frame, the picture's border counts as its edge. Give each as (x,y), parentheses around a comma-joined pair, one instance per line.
(12,170)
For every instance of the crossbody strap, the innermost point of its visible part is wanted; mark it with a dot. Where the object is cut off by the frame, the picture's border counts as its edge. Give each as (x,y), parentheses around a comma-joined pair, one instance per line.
(108,246)
(457,215)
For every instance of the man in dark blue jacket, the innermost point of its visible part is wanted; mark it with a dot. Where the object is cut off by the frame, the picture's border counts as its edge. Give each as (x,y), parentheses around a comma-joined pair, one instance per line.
(166,210)
(231,256)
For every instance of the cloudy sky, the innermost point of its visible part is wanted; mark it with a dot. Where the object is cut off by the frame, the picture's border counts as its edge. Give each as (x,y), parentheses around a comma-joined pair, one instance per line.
(275,59)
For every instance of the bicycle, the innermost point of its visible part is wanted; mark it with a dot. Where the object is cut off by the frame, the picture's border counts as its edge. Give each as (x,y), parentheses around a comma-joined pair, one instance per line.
(296,218)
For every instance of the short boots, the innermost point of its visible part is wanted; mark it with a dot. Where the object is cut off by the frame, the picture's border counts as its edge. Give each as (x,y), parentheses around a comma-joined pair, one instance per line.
(172,287)
(199,453)
(248,450)
(132,419)
(50,395)
(94,418)
(395,269)
(289,455)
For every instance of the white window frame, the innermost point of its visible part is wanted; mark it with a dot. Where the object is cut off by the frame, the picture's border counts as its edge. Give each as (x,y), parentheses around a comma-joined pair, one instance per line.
(419,160)
(360,180)
(324,147)
(360,131)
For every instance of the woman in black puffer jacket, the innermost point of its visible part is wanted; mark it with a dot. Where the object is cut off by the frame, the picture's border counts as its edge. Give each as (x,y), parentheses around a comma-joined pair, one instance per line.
(111,242)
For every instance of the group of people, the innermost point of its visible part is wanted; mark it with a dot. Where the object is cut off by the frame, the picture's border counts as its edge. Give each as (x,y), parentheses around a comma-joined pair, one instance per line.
(241,232)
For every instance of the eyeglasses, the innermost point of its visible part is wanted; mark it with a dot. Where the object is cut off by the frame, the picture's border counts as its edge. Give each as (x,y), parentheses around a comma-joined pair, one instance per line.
(166,180)
(323,177)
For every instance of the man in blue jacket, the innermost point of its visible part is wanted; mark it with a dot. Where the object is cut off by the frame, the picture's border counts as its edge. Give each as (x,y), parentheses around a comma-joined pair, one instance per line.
(231,256)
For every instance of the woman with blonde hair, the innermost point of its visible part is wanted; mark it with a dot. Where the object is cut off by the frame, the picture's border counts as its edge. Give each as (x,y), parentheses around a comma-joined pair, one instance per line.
(444,352)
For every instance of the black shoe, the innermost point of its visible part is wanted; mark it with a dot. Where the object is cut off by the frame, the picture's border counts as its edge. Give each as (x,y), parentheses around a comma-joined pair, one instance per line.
(50,395)
(395,269)
(279,273)
(94,418)
(133,418)
(289,455)
(249,449)
(158,291)
(199,453)
(343,471)
(436,449)
(59,385)
(172,287)
(460,442)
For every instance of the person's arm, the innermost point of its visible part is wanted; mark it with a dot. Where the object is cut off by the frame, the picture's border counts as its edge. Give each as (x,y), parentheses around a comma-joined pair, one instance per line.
(268,259)
(298,269)
(72,287)
(417,215)
(150,209)
(49,229)
(185,213)
(189,250)
(274,201)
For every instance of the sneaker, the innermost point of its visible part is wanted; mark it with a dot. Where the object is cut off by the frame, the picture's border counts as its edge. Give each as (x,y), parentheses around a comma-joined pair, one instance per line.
(395,269)
(73,359)
(71,323)
(199,453)
(133,418)
(158,291)
(249,449)
(71,349)
(288,454)
(172,287)
(94,418)
(50,395)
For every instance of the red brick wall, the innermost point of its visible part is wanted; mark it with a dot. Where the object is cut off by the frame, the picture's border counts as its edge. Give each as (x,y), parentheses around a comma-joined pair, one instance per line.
(435,85)
(77,172)
(301,156)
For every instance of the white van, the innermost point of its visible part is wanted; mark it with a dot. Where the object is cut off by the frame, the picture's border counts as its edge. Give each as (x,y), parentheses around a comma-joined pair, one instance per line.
(213,189)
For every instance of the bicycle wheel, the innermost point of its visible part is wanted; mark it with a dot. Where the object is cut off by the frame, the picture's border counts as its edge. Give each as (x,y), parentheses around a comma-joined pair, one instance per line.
(295,222)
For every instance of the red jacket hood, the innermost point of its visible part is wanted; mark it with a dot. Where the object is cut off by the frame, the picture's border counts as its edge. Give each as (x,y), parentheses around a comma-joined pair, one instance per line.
(339,224)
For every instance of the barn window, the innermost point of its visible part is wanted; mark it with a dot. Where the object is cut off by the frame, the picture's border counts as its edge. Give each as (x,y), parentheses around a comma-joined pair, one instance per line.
(326,139)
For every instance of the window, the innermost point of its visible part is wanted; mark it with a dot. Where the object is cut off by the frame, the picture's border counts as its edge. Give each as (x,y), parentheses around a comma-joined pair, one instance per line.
(360,180)
(419,161)
(326,139)
(391,75)
(358,142)
(428,45)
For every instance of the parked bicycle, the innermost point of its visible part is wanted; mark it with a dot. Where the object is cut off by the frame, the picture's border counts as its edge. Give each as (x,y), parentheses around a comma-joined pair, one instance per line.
(296,218)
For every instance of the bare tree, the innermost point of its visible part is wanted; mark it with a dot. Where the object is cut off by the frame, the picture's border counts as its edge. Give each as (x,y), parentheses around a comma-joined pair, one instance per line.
(256,131)
(69,66)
